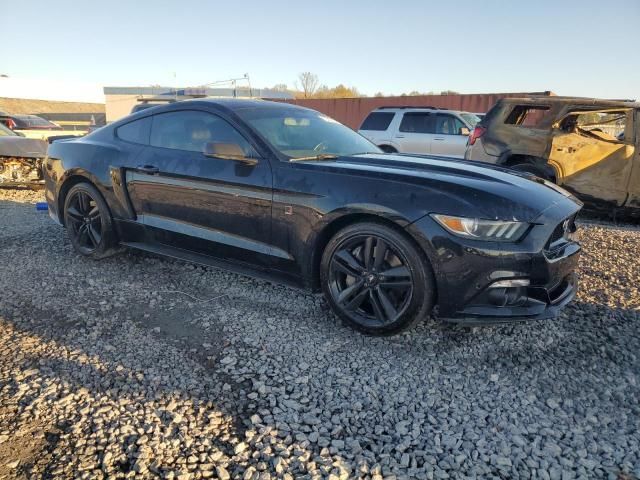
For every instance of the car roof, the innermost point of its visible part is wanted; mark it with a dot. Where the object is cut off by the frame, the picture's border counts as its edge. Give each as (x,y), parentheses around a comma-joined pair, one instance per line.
(417,109)
(242,103)
(395,109)
(580,101)
(223,104)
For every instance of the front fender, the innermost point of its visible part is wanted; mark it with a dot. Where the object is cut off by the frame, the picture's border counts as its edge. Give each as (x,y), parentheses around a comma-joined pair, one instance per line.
(335,220)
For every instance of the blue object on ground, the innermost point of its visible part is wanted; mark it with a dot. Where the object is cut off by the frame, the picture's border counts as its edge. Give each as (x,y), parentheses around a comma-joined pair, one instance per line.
(42,206)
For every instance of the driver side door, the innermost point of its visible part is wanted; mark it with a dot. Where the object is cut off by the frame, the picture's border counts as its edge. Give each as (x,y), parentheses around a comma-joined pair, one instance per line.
(214,206)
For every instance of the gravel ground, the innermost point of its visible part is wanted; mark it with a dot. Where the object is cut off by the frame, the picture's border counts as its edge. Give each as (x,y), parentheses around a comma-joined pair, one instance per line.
(142,367)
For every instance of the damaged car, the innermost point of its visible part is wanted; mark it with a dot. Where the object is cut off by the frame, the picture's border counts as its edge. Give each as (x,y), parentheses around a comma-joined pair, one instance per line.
(288,194)
(20,159)
(586,145)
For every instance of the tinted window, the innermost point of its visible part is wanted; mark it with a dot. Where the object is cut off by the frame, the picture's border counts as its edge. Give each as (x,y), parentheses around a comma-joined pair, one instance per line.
(448,124)
(417,122)
(191,130)
(377,121)
(136,131)
(528,116)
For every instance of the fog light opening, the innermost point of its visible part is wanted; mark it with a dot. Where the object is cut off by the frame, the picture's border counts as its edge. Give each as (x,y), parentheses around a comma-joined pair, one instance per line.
(514,282)
(508,296)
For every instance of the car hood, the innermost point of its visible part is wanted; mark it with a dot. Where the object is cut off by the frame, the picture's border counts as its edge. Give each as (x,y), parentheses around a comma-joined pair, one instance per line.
(484,190)
(22,147)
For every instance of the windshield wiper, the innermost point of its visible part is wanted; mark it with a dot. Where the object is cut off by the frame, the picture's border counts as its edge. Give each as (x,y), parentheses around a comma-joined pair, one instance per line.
(316,158)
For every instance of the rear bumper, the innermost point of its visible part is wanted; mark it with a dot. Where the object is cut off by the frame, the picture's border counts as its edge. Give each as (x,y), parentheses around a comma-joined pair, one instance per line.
(478,152)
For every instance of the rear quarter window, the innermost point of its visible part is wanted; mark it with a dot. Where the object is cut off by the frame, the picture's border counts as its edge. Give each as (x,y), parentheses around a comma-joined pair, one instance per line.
(135,132)
(529,116)
(379,121)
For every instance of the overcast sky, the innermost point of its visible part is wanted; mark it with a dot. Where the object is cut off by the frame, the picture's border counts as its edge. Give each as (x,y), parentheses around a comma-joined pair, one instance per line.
(70,50)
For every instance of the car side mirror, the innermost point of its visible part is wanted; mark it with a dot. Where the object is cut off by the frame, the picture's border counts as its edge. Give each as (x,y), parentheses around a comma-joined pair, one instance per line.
(228,151)
(464,131)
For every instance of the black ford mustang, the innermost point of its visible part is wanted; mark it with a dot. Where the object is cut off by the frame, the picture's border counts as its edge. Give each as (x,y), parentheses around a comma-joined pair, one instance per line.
(287,193)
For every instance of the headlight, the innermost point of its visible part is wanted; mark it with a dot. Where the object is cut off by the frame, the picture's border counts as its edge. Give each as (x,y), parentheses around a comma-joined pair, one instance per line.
(479,229)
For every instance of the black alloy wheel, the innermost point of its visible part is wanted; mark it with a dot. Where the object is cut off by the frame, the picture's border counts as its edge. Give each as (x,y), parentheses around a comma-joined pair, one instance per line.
(376,280)
(88,221)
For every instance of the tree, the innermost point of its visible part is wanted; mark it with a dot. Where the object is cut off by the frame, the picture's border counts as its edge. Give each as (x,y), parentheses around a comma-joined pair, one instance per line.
(308,84)
(280,87)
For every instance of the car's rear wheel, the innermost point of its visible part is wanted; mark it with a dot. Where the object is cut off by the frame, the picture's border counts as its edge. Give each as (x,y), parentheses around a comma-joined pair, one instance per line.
(388,149)
(88,221)
(534,169)
(375,279)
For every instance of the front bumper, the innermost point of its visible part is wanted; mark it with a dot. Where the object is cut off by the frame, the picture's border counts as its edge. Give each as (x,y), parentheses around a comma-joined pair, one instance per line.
(466,271)
(539,303)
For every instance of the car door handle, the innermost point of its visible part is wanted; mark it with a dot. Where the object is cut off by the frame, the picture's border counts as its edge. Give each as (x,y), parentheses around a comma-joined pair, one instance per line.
(150,169)
(442,139)
(399,136)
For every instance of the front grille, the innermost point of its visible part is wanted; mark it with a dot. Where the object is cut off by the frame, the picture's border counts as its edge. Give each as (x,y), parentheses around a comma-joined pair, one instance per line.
(562,233)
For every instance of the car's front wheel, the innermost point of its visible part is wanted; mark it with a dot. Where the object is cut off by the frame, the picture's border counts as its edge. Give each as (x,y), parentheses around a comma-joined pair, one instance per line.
(88,221)
(375,279)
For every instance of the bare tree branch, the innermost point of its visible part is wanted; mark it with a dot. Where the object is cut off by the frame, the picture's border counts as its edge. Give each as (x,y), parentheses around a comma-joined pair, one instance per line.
(308,83)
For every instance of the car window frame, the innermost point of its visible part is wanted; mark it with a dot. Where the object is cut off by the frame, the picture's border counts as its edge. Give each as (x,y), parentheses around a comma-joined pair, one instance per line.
(258,156)
(450,115)
(392,116)
(545,124)
(412,113)
(147,117)
(555,126)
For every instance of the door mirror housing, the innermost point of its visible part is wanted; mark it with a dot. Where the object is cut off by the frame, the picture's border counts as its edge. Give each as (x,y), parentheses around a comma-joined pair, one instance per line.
(228,151)
(464,131)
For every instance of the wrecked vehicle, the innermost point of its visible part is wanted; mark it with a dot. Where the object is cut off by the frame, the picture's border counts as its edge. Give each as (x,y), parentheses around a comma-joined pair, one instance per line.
(286,193)
(20,159)
(586,145)
(32,126)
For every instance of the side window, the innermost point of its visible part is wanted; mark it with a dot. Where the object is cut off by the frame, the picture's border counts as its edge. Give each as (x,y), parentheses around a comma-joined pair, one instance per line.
(417,122)
(609,125)
(448,124)
(191,130)
(530,116)
(136,131)
(378,121)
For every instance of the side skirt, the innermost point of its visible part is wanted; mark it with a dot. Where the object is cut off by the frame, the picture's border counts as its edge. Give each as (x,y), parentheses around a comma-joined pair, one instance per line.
(272,276)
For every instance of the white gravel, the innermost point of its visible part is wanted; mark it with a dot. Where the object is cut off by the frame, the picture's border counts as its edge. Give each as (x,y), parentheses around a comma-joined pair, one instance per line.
(141,367)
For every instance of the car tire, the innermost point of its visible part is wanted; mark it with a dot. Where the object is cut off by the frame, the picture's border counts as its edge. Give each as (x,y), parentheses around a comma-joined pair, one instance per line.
(376,279)
(533,169)
(388,149)
(89,223)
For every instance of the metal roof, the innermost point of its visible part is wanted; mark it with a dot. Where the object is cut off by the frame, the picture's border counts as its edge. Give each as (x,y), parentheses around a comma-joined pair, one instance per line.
(198,92)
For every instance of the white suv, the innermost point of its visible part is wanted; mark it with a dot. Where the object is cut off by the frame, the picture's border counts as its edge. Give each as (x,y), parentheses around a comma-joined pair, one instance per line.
(427,130)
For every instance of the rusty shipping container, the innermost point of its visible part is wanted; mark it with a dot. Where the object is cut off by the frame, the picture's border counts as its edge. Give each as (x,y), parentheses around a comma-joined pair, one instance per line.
(352,111)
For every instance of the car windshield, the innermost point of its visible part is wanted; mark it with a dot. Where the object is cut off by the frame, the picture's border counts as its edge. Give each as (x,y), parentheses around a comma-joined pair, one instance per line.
(32,121)
(5,132)
(298,133)
(471,118)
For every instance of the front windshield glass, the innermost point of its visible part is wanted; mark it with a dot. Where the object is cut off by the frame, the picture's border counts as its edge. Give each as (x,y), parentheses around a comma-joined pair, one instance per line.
(5,132)
(298,133)
(32,121)
(471,119)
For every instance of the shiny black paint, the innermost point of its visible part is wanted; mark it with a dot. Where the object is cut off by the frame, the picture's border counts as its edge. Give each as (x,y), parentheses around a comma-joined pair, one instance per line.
(275,217)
